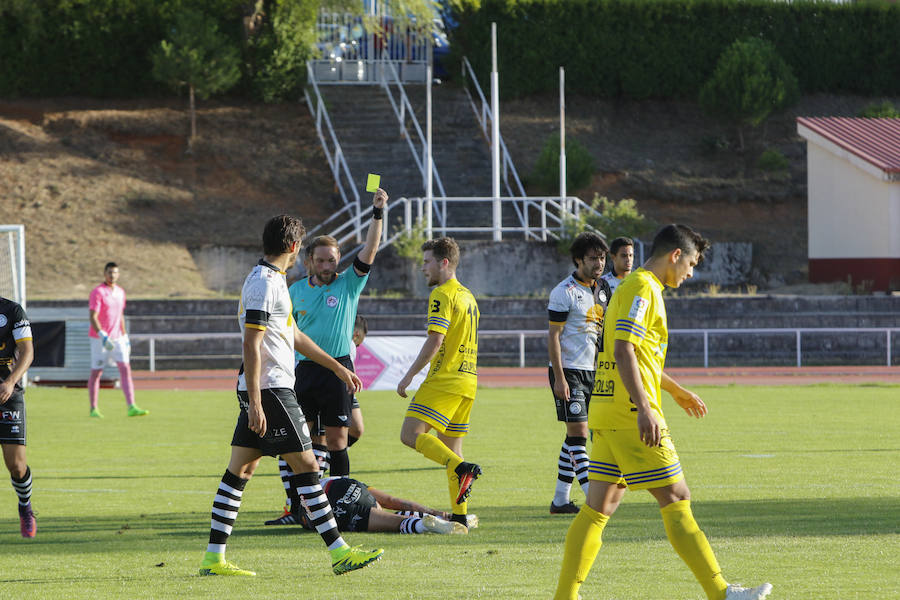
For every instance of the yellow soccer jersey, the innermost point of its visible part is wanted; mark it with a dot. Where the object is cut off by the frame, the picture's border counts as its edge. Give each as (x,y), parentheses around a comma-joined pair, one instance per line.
(636,314)
(452,310)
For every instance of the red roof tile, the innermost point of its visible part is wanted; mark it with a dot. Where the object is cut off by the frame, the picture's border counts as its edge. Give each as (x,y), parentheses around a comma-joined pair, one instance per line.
(876,141)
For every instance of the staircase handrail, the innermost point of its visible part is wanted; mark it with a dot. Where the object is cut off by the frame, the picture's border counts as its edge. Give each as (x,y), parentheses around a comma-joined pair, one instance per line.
(484,116)
(335,158)
(400,112)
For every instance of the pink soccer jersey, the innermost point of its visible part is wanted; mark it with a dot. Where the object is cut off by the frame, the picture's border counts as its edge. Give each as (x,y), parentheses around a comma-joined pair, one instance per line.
(109,303)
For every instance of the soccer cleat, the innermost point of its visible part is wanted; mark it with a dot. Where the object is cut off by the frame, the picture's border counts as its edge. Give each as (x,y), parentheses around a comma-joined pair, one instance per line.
(467,473)
(95,413)
(27,523)
(287,518)
(224,568)
(564,509)
(435,525)
(736,592)
(352,559)
(134,411)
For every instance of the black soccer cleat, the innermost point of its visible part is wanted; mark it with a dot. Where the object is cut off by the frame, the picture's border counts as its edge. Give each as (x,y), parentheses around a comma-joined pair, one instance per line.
(563,509)
(467,473)
(287,518)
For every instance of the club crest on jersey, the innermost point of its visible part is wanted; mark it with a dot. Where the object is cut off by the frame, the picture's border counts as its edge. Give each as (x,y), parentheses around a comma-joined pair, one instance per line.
(331,301)
(638,308)
(3,320)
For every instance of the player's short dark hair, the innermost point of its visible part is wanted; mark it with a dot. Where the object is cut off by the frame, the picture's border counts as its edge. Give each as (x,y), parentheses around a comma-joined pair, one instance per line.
(280,232)
(678,237)
(585,242)
(361,324)
(109,266)
(322,240)
(619,243)
(444,247)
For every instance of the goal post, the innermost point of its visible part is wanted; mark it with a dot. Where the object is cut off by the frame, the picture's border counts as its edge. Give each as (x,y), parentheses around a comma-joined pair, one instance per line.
(12,263)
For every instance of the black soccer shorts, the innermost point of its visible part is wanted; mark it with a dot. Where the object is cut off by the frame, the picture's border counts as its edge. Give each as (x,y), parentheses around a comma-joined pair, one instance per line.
(574,409)
(12,419)
(322,394)
(286,429)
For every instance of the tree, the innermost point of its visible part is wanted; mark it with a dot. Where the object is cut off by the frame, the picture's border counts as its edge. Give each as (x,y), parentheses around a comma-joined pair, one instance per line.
(750,81)
(198,56)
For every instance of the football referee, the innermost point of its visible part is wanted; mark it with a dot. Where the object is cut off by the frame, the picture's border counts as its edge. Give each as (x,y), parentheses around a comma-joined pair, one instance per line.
(324,307)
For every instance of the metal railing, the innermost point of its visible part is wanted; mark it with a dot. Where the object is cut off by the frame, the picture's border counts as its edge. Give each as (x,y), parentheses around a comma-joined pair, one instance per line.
(484,115)
(403,110)
(153,355)
(333,152)
(797,333)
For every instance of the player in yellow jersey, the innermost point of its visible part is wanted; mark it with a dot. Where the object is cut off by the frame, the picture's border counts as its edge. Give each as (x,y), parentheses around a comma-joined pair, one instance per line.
(631,443)
(444,401)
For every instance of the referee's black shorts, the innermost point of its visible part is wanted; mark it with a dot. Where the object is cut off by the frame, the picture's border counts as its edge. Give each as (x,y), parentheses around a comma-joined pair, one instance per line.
(322,394)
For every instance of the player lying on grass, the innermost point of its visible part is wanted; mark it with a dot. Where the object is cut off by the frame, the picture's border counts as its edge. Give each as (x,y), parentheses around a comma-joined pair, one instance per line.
(358,507)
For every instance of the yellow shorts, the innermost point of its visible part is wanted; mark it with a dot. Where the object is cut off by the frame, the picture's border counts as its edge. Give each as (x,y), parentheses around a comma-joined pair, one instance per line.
(445,411)
(619,456)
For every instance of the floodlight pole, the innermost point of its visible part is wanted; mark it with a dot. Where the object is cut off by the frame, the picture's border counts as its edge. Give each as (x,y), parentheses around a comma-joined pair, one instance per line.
(495,137)
(429,190)
(562,139)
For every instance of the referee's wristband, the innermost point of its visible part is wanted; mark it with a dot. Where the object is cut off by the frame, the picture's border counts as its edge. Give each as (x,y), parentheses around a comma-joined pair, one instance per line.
(377,213)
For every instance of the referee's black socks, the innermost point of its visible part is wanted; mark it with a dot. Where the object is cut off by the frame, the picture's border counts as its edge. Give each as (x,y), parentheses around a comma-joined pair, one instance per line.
(339,464)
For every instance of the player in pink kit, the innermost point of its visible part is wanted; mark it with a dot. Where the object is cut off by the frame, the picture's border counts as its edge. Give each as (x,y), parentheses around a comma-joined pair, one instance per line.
(109,340)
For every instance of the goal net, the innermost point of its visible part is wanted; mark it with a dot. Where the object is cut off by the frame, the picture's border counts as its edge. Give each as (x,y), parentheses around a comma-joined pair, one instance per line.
(12,262)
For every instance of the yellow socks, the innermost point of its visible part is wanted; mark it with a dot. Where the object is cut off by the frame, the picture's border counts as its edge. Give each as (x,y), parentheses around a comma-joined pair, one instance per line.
(692,546)
(434,449)
(582,544)
(453,487)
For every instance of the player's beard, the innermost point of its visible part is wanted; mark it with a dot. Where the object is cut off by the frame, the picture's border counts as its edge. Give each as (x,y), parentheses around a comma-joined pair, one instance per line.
(326,277)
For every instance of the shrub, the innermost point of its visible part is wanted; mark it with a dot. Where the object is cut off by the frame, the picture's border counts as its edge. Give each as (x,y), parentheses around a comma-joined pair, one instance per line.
(408,244)
(615,219)
(750,82)
(881,110)
(579,166)
(772,160)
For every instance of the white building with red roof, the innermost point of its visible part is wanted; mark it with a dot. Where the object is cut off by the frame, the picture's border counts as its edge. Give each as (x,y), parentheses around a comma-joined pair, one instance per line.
(853,188)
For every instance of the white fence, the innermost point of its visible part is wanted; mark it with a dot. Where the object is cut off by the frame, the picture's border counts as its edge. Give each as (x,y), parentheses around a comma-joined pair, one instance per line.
(520,340)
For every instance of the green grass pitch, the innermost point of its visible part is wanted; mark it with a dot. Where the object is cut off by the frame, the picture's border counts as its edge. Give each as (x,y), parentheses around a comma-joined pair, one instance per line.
(793,485)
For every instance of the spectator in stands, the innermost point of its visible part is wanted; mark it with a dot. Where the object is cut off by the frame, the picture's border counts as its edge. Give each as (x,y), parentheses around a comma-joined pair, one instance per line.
(109,340)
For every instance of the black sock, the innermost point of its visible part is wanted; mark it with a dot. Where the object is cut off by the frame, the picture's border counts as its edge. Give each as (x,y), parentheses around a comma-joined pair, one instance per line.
(23,487)
(351,439)
(340,463)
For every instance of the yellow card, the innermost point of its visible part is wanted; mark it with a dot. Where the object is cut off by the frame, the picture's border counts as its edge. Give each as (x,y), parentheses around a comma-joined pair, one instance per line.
(373,182)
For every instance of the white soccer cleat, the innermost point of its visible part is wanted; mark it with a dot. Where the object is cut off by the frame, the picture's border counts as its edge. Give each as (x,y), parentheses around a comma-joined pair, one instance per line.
(471,521)
(435,525)
(736,592)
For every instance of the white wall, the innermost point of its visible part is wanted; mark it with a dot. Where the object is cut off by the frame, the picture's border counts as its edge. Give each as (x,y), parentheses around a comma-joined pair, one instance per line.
(852,214)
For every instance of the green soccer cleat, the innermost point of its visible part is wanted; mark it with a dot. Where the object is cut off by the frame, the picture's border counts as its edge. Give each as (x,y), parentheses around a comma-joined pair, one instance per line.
(223,567)
(348,559)
(95,413)
(135,411)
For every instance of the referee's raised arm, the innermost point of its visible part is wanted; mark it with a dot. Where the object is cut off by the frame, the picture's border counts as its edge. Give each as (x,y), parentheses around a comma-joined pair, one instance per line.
(367,255)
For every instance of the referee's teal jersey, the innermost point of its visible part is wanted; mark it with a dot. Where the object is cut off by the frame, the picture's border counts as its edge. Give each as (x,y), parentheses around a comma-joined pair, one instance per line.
(327,313)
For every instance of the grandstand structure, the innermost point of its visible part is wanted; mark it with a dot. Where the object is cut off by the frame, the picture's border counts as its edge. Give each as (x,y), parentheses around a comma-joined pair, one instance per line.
(372,99)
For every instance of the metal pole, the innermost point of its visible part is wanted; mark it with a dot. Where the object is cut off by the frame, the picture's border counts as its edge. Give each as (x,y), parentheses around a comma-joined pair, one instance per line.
(888,347)
(521,349)
(429,190)
(495,136)
(562,137)
(705,349)
(798,349)
(152,354)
